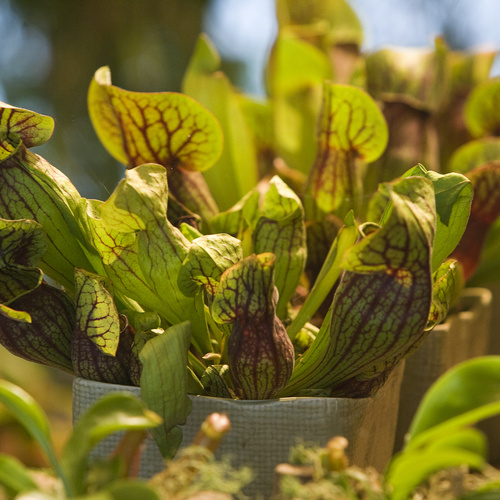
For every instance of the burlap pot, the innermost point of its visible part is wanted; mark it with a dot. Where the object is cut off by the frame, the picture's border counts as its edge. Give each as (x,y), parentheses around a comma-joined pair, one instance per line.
(492,426)
(462,336)
(262,432)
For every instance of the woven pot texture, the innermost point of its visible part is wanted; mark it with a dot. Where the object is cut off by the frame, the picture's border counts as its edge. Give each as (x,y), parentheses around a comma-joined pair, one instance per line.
(462,336)
(263,432)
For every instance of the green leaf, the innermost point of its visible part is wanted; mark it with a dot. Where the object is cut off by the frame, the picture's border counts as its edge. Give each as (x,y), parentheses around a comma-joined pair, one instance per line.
(46,338)
(14,476)
(141,251)
(31,416)
(481,115)
(475,153)
(440,435)
(447,286)
(159,127)
(454,194)
(352,127)
(96,313)
(113,413)
(413,75)
(484,212)
(260,353)
(328,275)
(21,126)
(131,490)
(408,471)
(246,290)
(22,243)
(295,76)
(234,174)
(381,305)
(464,395)
(31,188)
(336,21)
(281,230)
(164,383)
(167,128)
(208,257)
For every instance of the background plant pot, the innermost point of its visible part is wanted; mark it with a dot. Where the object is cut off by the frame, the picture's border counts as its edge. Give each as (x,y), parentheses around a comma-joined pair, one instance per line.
(492,426)
(262,432)
(464,335)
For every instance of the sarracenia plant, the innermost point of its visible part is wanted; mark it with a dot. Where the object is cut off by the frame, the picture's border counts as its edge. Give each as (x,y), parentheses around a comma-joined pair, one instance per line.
(304,286)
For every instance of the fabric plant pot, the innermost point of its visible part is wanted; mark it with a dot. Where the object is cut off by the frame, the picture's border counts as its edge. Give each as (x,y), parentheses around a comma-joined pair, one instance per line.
(263,432)
(463,335)
(492,426)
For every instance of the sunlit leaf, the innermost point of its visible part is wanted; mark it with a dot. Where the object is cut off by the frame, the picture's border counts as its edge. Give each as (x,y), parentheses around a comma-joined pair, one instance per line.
(381,305)
(295,75)
(481,109)
(352,127)
(31,188)
(161,127)
(22,126)
(407,472)
(141,251)
(234,174)
(328,275)
(164,384)
(485,210)
(96,311)
(454,195)
(475,153)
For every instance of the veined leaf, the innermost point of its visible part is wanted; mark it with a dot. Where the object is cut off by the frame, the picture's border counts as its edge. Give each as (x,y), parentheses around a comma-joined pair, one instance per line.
(31,188)
(352,128)
(167,128)
(382,302)
(161,127)
(164,382)
(22,126)
(208,257)
(260,353)
(448,284)
(22,243)
(100,348)
(281,230)
(328,275)
(97,316)
(141,251)
(46,338)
